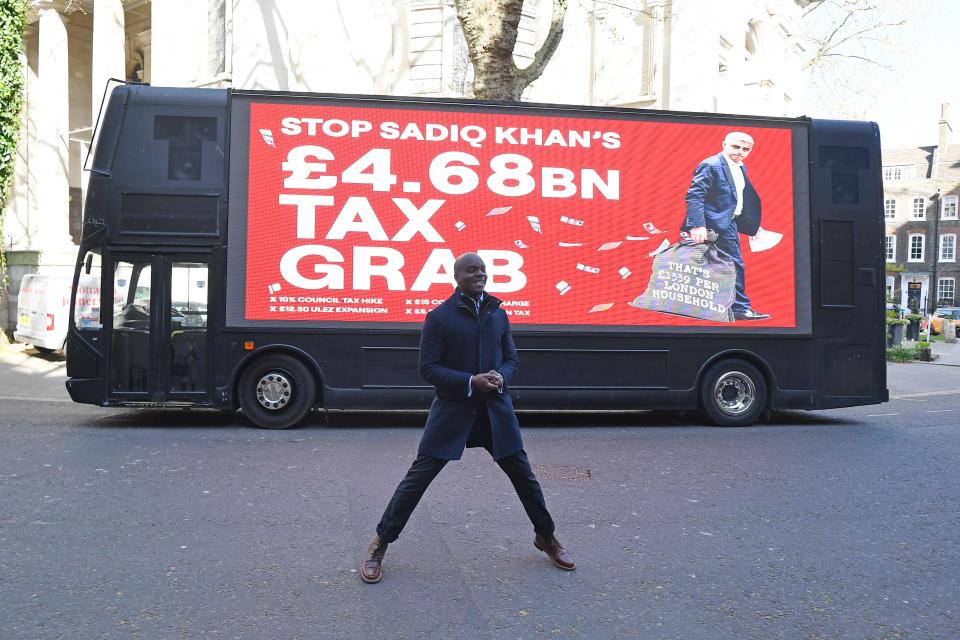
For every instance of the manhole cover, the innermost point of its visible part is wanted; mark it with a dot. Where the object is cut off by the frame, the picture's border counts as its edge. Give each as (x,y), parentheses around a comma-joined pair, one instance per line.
(560,472)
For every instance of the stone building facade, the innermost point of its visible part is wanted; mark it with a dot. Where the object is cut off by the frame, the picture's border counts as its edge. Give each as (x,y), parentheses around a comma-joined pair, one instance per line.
(691,55)
(921,189)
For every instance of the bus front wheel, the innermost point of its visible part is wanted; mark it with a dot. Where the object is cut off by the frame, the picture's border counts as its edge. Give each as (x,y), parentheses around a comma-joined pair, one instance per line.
(733,393)
(277,392)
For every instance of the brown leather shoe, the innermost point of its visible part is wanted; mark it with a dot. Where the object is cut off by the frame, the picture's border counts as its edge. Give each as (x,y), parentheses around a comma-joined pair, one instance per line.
(558,555)
(370,567)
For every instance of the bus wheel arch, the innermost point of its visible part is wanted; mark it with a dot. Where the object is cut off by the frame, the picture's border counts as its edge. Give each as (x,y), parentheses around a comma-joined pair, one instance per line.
(277,389)
(734,390)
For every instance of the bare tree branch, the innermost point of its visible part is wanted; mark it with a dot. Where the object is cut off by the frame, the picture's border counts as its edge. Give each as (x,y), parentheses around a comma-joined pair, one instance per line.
(838,28)
(847,23)
(850,45)
(549,45)
(861,58)
(826,48)
(861,33)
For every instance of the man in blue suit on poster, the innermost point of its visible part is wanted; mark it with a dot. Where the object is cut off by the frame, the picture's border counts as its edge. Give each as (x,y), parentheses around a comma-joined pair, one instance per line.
(467,354)
(722,199)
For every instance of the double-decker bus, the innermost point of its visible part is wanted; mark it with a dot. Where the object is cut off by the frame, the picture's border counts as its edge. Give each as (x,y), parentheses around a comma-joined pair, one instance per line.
(277,252)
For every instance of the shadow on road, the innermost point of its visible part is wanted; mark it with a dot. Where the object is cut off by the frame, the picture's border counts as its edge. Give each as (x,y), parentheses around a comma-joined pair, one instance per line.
(211,418)
(40,353)
(169,419)
(47,354)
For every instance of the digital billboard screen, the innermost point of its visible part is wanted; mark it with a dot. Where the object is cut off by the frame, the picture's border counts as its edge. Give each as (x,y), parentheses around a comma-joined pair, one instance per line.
(351,212)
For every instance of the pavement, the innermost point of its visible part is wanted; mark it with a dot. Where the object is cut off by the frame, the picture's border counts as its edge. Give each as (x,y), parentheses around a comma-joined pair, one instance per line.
(945,353)
(27,374)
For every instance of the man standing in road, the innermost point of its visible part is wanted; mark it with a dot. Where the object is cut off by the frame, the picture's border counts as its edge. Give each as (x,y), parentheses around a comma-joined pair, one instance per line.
(722,199)
(467,354)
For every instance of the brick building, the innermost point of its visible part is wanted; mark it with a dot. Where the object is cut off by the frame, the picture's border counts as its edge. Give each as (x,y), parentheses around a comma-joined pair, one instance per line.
(921,187)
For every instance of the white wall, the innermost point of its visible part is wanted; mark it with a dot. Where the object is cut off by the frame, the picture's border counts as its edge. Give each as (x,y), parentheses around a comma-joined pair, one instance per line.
(348,46)
(179,43)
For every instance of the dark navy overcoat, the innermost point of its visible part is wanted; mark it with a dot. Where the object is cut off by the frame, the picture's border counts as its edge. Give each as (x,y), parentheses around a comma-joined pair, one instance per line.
(456,344)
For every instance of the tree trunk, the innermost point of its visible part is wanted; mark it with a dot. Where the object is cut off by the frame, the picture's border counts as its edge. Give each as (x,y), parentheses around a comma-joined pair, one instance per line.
(490,29)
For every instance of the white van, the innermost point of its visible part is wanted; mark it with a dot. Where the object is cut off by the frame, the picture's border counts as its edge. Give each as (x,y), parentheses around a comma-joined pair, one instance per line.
(42,311)
(43,307)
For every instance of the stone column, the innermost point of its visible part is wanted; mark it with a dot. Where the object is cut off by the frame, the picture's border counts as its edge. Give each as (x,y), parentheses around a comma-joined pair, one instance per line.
(51,157)
(178,30)
(109,60)
(109,47)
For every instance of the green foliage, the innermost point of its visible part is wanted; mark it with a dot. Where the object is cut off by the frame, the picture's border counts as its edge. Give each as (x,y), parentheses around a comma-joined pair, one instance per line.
(13,16)
(897,321)
(906,353)
(903,353)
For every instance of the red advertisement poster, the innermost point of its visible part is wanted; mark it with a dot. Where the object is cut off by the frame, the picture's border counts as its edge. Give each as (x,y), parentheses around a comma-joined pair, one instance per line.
(358,213)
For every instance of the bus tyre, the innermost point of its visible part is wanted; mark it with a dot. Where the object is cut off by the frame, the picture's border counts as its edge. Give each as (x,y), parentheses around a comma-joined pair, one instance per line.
(277,392)
(733,393)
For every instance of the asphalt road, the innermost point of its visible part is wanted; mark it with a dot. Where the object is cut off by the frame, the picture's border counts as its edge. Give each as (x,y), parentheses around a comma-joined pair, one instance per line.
(153,524)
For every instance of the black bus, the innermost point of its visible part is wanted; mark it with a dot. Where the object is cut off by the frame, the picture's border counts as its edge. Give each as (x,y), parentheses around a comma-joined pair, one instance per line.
(276,252)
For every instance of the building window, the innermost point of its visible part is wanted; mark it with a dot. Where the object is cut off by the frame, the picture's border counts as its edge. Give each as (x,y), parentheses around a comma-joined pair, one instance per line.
(948,208)
(946,287)
(890,247)
(890,209)
(919,209)
(897,173)
(890,288)
(948,247)
(916,247)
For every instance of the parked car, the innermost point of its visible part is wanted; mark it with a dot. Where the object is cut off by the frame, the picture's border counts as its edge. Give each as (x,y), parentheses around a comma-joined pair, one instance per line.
(948,313)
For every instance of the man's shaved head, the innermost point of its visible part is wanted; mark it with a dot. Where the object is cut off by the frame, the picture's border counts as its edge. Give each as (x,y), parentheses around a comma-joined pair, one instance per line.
(463,260)
(470,273)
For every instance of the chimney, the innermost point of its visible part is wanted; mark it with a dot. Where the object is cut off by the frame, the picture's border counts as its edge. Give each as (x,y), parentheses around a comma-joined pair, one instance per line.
(944,133)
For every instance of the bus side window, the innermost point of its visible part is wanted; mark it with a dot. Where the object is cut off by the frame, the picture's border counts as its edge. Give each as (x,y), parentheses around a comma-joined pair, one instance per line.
(845,165)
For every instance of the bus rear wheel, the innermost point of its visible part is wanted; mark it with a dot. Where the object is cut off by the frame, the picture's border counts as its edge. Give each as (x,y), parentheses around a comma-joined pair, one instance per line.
(277,392)
(733,393)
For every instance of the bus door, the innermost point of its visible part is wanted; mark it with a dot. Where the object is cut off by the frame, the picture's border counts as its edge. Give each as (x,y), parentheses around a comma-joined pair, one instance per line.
(158,345)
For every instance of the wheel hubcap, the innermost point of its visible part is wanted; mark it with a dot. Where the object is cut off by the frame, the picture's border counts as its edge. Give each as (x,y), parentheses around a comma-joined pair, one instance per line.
(734,393)
(274,390)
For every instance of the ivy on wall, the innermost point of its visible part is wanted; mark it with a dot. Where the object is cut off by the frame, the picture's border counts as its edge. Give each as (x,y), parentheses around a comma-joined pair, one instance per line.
(13,16)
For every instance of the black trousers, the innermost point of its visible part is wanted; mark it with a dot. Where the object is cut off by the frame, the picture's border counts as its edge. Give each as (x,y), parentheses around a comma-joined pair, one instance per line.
(424,469)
